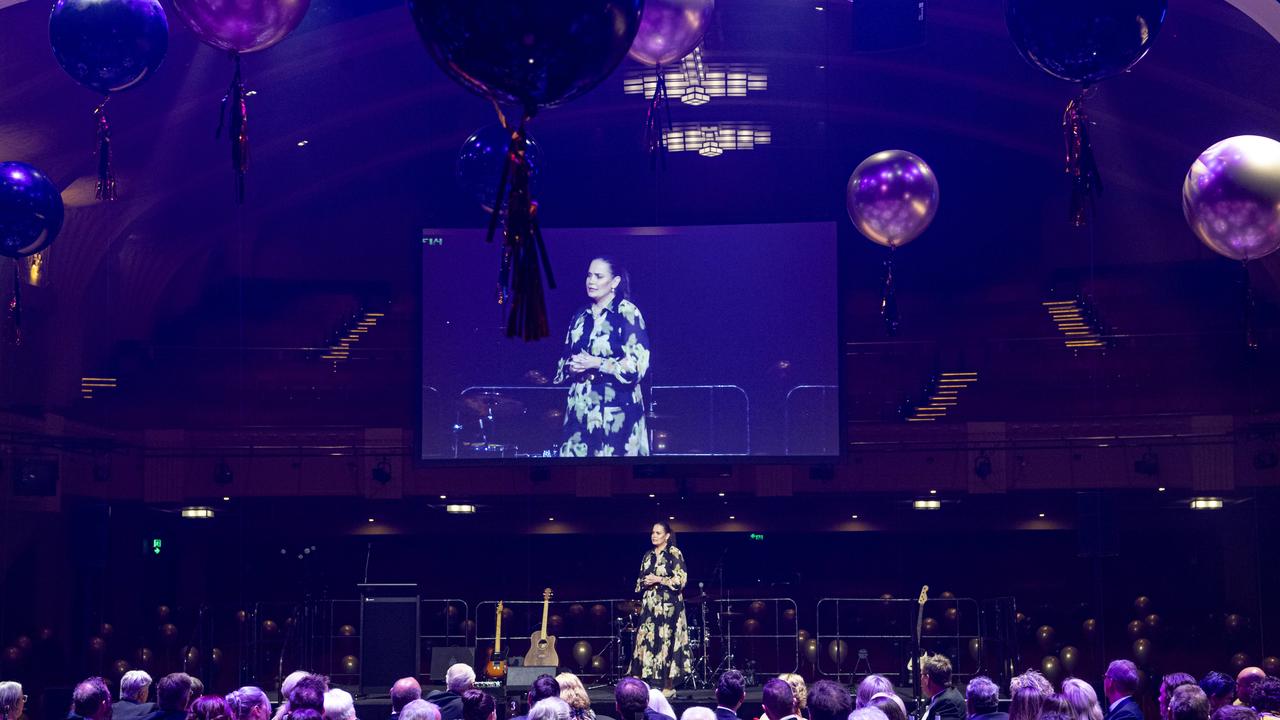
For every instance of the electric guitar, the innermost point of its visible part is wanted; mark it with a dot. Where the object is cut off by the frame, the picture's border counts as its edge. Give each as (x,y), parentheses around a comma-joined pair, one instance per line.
(496,668)
(542,647)
(919,651)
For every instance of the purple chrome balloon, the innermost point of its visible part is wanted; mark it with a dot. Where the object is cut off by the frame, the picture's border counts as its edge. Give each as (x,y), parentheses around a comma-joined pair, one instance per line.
(242,26)
(670,29)
(1231,197)
(31,210)
(892,197)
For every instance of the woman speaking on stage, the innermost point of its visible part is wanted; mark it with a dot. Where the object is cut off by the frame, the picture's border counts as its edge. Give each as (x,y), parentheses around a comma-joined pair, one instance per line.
(606,355)
(662,640)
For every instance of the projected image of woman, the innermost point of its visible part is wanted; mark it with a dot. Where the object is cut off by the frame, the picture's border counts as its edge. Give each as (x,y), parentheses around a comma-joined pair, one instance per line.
(606,355)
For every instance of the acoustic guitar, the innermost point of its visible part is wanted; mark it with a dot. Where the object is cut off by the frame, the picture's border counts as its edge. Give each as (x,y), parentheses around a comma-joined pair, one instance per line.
(542,647)
(496,668)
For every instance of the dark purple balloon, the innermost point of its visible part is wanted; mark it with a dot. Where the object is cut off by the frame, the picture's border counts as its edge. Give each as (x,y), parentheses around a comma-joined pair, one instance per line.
(243,26)
(1084,41)
(531,54)
(670,29)
(109,45)
(481,158)
(30,210)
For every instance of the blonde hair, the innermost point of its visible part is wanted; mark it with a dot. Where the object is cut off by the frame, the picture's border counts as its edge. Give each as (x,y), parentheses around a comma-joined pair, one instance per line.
(1082,699)
(798,688)
(572,691)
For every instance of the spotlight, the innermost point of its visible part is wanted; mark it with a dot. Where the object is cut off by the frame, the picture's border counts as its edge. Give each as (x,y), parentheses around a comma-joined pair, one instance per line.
(927,504)
(1148,464)
(195,512)
(382,472)
(1206,503)
(982,466)
(460,509)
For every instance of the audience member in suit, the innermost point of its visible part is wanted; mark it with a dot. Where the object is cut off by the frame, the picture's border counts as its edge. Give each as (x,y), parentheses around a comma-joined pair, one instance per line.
(91,700)
(982,700)
(404,691)
(308,693)
(945,702)
(779,700)
(829,701)
(1219,688)
(173,695)
(544,686)
(1081,699)
(631,699)
(478,705)
(457,679)
(730,692)
(1119,684)
(135,686)
(1245,680)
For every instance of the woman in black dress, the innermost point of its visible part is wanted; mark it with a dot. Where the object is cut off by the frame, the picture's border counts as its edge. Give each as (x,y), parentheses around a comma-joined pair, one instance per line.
(606,355)
(662,642)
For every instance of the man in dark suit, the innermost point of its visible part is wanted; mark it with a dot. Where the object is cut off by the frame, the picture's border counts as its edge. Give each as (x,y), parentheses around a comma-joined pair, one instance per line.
(135,686)
(1119,685)
(91,700)
(730,692)
(631,699)
(457,679)
(779,700)
(982,700)
(173,695)
(945,702)
(829,701)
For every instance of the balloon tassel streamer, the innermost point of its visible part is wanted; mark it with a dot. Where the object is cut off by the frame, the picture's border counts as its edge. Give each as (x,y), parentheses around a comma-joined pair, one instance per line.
(1081,167)
(236,119)
(889,299)
(15,306)
(106,188)
(655,127)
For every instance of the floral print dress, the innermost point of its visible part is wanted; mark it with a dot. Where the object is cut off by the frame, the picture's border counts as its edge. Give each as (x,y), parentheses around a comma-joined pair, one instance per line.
(604,415)
(662,641)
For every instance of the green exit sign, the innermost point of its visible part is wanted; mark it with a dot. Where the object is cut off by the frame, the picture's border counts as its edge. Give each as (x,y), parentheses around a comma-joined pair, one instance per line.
(156,545)
(757,536)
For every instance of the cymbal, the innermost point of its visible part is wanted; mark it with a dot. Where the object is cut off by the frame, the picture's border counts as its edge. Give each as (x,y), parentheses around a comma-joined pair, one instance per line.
(482,404)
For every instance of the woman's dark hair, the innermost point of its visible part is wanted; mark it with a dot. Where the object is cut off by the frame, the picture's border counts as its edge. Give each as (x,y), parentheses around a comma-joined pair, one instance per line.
(305,714)
(890,708)
(666,527)
(477,705)
(208,707)
(619,270)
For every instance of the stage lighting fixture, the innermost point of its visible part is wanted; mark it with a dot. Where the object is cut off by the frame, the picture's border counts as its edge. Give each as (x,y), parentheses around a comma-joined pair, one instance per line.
(459,509)
(982,466)
(1206,503)
(927,504)
(382,472)
(1148,464)
(197,512)
(222,474)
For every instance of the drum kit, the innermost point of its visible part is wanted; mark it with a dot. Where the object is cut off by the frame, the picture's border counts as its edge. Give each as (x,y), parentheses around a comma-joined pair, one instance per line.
(479,430)
(709,620)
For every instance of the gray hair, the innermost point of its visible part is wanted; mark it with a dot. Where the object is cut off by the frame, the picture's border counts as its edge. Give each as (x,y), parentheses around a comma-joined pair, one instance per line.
(868,713)
(658,703)
(339,705)
(552,708)
(869,687)
(241,702)
(459,677)
(698,713)
(133,683)
(1124,675)
(10,696)
(1031,679)
(420,710)
(982,694)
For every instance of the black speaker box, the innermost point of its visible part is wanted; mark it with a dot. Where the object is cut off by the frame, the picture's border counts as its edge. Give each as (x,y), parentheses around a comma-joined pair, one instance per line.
(443,657)
(388,642)
(520,679)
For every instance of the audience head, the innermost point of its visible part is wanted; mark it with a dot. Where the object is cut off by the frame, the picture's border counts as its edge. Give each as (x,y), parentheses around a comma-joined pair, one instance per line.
(544,686)
(935,674)
(1055,703)
(478,705)
(1027,703)
(829,701)
(459,678)
(307,713)
(197,690)
(1219,688)
(1120,680)
(779,699)
(173,692)
(631,696)
(981,696)
(550,708)
(92,699)
(1167,684)
(798,687)
(658,704)
(868,713)
(308,692)
(404,691)
(698,712)
(248,703)
(290,680)
(208,707)
(1235,712)
(1188,702)
(889,704)
(12,701)
(869,686)
(1082,700)
(135,685)
(339,705)
(1032,679)
(1266,696)
(731,690)
(1245,680)
(572,691)
(419,710)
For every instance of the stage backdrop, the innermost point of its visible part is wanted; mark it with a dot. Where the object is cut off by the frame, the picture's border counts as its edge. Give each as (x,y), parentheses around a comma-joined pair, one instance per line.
(742,321)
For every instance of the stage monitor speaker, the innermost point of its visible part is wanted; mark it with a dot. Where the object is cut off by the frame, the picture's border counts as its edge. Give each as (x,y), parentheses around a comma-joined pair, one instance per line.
(35,476)
(880,25)
(443,657)
(520,679)
(388,636)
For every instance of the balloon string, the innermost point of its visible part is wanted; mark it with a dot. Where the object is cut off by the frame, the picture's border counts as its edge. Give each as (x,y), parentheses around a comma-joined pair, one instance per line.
(1081,167)
(106,188)
(1246,287)
(15,305)
(237,115)
(889,299)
